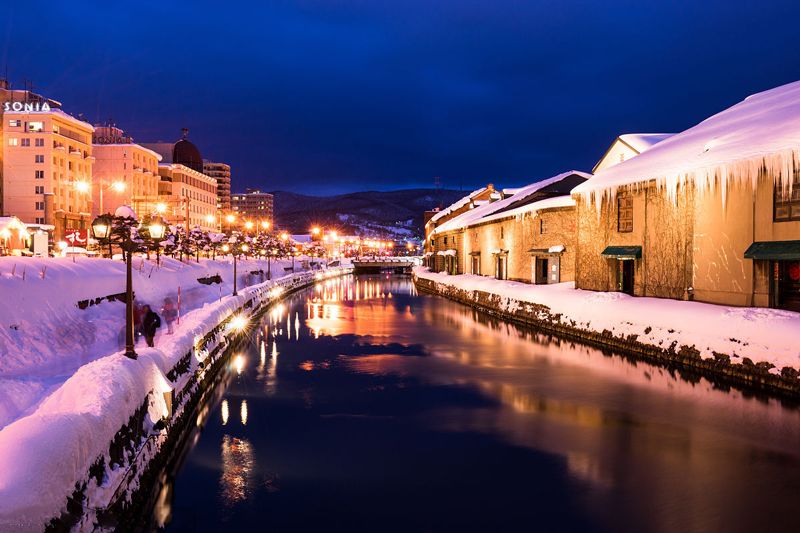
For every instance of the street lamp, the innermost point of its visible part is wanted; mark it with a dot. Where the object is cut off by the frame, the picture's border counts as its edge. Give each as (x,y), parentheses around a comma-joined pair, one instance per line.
(116,186)
(119,229)
(230,219)
(235,249)
(265,225)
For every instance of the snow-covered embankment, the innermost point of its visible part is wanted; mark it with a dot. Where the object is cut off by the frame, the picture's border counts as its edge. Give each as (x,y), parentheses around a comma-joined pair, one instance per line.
(747,344)
(71,458)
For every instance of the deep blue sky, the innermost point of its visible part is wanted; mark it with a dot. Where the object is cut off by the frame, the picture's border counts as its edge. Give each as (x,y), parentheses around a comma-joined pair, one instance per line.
(326,96)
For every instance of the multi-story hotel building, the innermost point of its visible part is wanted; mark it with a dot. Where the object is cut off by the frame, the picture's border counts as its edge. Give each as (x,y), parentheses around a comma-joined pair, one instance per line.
(222,173)
(46,162)
(252,205)
(186,195)
(124,172)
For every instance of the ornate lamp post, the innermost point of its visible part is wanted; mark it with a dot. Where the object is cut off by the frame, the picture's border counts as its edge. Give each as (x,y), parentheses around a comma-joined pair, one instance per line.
(235,249)
(122,229)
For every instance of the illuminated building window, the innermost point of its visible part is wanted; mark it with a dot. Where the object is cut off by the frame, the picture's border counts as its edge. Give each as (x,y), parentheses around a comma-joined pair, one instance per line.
(13,141)
(35,126)
(14,123)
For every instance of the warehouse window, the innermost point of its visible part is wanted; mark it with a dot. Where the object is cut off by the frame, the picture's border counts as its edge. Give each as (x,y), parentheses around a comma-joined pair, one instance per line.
(786,204)
(624,213)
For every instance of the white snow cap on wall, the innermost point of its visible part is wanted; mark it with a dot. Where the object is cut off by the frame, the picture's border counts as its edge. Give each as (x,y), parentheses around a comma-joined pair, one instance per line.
(762,131)
(641,142)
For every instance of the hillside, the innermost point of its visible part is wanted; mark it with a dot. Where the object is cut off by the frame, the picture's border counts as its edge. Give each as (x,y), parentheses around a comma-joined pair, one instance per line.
(398,213)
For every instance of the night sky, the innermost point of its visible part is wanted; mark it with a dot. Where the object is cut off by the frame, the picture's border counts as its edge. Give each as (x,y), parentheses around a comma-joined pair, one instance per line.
(325,96)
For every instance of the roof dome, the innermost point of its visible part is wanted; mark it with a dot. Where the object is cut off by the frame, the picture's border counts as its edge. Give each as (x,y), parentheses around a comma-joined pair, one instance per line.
(186,153)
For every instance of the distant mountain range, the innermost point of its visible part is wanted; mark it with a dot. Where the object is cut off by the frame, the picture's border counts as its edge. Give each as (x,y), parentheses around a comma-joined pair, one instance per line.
(368,213)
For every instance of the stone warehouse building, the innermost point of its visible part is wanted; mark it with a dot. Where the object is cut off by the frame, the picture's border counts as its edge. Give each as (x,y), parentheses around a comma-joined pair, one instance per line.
(475,199)
(710,214)
(527,236)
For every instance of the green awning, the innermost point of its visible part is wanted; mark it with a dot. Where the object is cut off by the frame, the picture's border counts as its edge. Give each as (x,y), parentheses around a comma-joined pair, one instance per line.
(774,250)
(623,252)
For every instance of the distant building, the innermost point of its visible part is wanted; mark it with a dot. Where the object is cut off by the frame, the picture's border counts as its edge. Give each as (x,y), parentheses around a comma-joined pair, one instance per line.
(183,152)
(124,172)
(222,173)
(252,205)
(46,166)
(186,195)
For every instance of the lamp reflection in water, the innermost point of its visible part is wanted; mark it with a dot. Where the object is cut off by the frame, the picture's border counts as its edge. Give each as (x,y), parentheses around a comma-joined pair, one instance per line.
(225,412)
(243,412)
(238,469)
(238,363)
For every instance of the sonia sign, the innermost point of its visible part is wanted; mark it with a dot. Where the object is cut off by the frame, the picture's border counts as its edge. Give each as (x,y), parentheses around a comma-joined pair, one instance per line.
(26,107)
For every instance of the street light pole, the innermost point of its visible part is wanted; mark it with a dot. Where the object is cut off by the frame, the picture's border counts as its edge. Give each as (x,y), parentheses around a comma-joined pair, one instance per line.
(234,274)
(129,330)
(118,228)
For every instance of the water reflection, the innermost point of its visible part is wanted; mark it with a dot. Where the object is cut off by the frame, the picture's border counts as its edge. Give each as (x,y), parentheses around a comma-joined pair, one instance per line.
(238,465)
(366,392)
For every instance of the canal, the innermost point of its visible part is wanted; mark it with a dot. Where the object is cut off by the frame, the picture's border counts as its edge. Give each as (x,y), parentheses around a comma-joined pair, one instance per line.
(360,405)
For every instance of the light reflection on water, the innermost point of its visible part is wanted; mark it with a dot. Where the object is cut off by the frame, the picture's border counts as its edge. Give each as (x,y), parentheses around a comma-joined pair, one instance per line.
(363,383)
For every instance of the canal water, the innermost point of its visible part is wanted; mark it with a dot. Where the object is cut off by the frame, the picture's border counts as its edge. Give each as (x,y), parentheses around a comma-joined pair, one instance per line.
(360,405)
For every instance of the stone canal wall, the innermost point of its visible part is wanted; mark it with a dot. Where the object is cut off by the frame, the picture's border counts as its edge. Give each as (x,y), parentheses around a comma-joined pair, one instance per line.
(121,483)
(721,369)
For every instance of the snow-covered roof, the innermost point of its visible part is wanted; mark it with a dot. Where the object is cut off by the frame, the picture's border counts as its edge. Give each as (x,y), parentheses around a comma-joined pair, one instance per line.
(533,207)
(457,205)
(762,131)
(11,223)
(641,142)
(482,213)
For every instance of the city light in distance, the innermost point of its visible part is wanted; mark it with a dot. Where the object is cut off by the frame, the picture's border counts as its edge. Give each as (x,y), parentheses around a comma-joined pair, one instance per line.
(82,186)
(118,186)
(161,207)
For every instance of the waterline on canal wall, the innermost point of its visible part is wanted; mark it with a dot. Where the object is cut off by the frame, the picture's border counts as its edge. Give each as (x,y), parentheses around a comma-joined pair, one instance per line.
(91,455)
(756,376)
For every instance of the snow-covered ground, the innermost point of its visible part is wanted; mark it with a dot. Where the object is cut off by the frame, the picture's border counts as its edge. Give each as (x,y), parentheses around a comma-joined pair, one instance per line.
(762,335)
(45,337)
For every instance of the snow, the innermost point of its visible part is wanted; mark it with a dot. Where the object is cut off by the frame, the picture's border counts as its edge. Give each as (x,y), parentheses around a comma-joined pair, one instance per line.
(534,208)
(45,337)
(457,205)
(75,420)
(761,132)
(484,212)
(641,142)
(125,211)
(768,335)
